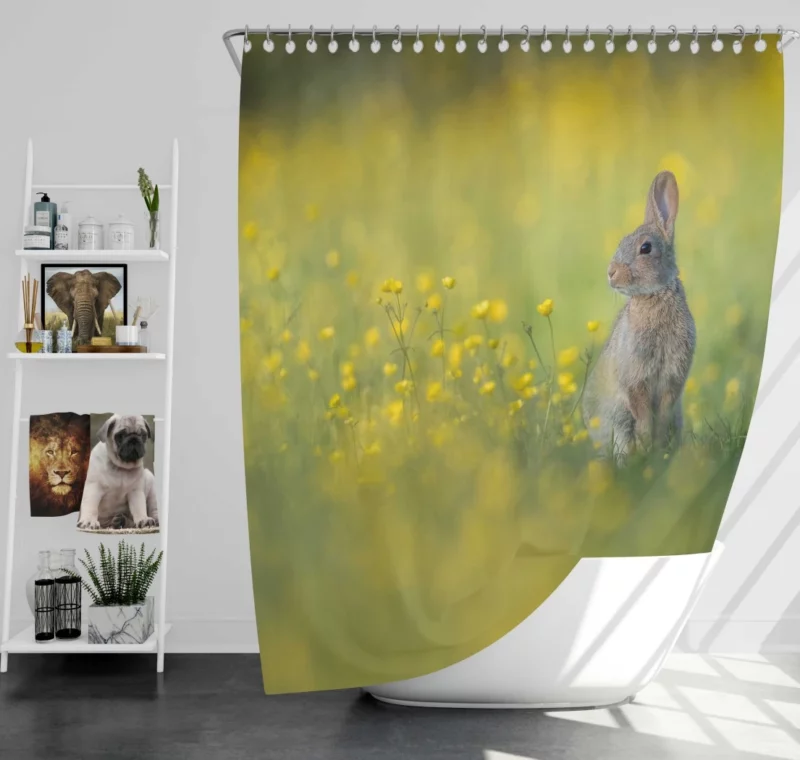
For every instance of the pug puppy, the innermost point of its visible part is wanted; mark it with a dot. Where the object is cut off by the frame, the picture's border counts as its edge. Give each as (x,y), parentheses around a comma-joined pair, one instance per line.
(120,491)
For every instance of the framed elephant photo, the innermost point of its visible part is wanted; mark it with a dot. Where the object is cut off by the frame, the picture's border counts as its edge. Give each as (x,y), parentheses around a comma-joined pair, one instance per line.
(91,300)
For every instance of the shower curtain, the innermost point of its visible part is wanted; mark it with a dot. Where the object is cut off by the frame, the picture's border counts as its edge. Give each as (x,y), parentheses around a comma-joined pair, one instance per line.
(499,312)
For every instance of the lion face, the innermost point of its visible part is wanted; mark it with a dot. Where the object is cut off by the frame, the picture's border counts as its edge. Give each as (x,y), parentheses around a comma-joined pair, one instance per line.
(61,462)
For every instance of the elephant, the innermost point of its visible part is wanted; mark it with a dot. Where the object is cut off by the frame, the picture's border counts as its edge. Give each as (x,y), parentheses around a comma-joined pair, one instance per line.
(84,297)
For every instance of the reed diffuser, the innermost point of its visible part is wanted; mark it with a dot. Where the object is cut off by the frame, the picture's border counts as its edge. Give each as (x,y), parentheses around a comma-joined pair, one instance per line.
(29,340)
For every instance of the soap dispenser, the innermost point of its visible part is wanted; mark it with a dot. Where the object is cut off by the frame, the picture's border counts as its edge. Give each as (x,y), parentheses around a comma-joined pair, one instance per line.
(45,214)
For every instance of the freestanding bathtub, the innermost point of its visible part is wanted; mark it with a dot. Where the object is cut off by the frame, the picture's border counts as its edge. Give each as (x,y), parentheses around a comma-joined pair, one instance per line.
(599,638)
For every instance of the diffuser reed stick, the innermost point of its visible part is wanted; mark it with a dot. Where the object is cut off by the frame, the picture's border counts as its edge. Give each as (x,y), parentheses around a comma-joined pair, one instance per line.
(30,292)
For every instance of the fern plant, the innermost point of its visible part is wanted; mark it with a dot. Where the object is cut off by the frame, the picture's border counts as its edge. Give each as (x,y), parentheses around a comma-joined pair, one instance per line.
(122,580)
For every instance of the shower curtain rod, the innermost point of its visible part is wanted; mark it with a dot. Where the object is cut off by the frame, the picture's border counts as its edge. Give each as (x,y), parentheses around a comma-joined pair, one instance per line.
(788,36)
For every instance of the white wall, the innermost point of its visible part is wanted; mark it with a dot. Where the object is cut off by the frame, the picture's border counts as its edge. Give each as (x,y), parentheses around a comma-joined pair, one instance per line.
(104,87)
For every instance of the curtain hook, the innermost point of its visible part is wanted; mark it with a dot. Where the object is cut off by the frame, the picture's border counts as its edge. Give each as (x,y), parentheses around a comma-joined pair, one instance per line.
(760,45)
(375,45)
(546,45)
(483,44)
(353,44)
(418,43)
(526,43)
(461,46)
(439,44)
(717,43)
(290,46)
(502,46)
(247,43)
(652,45)
(588,44)
(694,46)
(779,43)
(610,41)
(397,45)
(567,44)
(739,44)
(333,45)
(674,43)
(268,45)
(631,45)
(311,45)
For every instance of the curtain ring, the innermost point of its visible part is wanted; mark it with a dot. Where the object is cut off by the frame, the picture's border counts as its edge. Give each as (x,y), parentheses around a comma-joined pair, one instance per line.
(418,43)
(311,45)
(247,43)
(461,46)
(546,45)
(290,46)
(567,44)
(502,46)
(610,41)
(631,45)
(760,45)
(397,45)
(439,44)
(333,45)
(483,44)
(353,44)
(588,44)
(526,43)
(375,45)
(674,43)
(717,44)
(652,45)
(739,44)
(779,43)
(268,45)
(694,46)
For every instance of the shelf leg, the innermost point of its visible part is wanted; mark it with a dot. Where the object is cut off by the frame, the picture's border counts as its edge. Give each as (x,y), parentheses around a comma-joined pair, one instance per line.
(12,511)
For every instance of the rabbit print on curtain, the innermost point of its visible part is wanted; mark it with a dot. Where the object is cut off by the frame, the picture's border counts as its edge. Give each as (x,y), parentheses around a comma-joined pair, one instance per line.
(499,311)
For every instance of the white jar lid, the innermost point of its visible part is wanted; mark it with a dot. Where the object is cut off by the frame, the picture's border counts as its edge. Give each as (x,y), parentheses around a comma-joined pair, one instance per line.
(121,219)
(90,221)
(37,229)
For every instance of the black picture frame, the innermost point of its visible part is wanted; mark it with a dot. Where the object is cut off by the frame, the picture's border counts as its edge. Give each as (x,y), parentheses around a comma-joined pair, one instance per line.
(48,269)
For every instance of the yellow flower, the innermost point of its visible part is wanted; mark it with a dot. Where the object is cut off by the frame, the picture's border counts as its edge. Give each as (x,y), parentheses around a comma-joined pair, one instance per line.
(481,310)
(593,325)
(286,336)
(245,324)
(568,356)
(349,383)
(454,355)
(545,308)
(283,373)
(313,375)
(487,388)
(386,287)
(392,286)
(473,342)
(273,273)
(303,352)
(343,413)
(311,211)
(692,385)
(373,449)
(734,315)
(594,423)
(352,279)
(347,368)
(480,373)
(389,369)
(250,230)
(455,373)
(403,386)
(437,349)
(528,392)
(581,435)
(732,389)
(424,282)
(523,381)
(434,390)
(397,286)
(532,364)
(493,343)
(449,282)
(498,310)
(434,301)
(567,428)
(565,379)
(326,333)
(515,406)
(273,360)
(335,402)
(509,360)
(350,421)
(335,456)
(394,411)
(372,337)
(332,259)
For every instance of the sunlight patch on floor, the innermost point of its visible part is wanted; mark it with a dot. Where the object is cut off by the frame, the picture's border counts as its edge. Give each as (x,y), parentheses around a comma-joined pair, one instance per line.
(720,704)
(600,717)
(764,741)
(757,672)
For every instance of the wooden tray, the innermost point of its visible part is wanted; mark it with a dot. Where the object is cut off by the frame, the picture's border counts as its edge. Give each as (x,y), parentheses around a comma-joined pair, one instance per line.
(112,350)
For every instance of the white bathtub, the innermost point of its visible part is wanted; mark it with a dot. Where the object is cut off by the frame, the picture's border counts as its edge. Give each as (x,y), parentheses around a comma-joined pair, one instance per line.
(597,640)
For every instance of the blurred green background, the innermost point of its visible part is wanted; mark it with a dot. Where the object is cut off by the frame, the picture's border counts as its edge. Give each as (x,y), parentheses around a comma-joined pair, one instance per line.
(419,476)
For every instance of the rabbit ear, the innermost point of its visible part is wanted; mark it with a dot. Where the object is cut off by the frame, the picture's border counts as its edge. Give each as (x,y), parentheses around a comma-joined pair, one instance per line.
(662,203)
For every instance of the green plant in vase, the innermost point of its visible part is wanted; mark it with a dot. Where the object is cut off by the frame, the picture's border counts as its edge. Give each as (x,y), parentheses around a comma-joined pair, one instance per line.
(151,200)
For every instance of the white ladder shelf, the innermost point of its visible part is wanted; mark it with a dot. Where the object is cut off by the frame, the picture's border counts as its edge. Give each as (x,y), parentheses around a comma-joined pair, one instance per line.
(23,642)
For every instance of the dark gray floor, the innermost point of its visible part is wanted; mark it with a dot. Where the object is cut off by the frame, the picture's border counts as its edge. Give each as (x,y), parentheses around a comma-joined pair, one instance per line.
(212,706)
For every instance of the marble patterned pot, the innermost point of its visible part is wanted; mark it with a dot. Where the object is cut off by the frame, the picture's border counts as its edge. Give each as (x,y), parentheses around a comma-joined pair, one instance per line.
(132,624)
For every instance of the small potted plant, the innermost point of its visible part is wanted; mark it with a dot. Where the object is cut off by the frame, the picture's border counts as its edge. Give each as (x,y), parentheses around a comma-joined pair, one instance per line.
(121,612)
(151,200)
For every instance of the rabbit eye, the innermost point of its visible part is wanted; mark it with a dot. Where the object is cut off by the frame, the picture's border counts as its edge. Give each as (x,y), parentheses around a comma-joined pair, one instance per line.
(646,247)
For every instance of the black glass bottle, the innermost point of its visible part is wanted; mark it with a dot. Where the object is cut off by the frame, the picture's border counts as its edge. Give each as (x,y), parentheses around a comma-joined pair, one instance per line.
(68,597)
(45,601)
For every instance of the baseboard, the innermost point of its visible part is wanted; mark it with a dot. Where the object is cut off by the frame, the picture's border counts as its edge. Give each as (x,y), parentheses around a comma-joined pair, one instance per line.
(741,636)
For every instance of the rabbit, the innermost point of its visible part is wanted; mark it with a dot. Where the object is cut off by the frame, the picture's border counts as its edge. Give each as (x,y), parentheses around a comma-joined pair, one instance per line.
(636,387)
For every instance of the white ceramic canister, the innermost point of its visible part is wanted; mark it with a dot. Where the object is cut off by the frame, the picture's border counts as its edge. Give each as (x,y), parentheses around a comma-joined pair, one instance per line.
(120,234)
(90,235)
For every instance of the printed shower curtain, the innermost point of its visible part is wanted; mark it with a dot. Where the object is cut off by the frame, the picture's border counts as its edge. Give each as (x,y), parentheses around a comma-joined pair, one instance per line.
(499,312)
